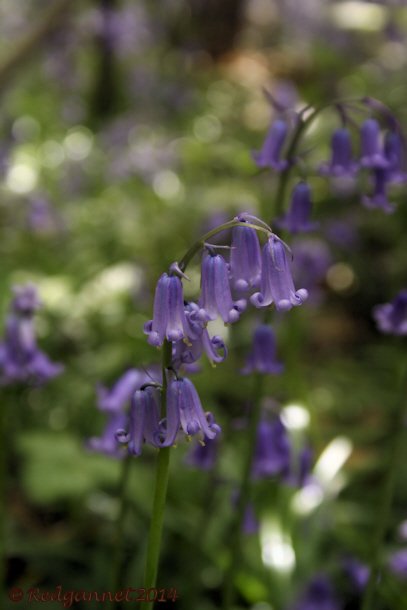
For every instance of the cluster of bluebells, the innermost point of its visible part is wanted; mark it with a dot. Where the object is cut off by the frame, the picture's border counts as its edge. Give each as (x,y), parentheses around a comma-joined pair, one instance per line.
(381,154)
(20,358)
(251,274)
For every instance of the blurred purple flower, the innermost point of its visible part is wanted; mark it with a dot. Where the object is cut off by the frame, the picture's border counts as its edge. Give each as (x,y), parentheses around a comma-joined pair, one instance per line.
(297,219)
(391,318)
(319,595)
(311,261)
(398,563)
(272,455)
(342,232)
(216,298)
(269,155)
(262,357)
(107,443)
(42,218)
(277,284)
(245,258)
(357,572)
(250,522)
(342,163)
(115,402)
(379,199)
(118,397)
(372,155)
(20,358)
(394,153)
(203,455)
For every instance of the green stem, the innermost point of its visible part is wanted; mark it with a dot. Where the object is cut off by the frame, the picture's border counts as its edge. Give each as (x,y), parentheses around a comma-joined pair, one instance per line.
(160,493)
(387,494)
(118,562)
(244,494)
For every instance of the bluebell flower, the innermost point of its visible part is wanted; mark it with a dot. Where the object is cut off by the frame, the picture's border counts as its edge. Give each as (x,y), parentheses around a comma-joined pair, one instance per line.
(145,424)
(398,563)
(115,402)
(188,353)
(394,153)
(20,358)
(272,455)
(312,259)
(107,442)
(262,357)
(169,321)
(216,298)
(379,198)
(372,154)
(319,595)
(357,572)
(305,460)
(270,154)
(203,455)
(277,284)
(391,318)
(118,397)
(183,399)
(245,258)
(341,163)
(297,219)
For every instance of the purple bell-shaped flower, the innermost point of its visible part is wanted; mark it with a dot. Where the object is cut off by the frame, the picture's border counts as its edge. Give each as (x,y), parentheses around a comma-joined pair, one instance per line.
(277,284)
(341,163)
(297,219)
(394,153)
(372,155)
(262,357)
(272,455)
(391,318)
(169,321)
(182,398)
(378,199)
(245,258)
(269,155)
(216,298)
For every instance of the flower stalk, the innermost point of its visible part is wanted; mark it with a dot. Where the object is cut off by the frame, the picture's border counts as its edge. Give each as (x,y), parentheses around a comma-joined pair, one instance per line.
(160,492)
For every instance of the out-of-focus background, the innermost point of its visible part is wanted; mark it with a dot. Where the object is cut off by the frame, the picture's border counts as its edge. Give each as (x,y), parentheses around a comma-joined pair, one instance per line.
(126,132)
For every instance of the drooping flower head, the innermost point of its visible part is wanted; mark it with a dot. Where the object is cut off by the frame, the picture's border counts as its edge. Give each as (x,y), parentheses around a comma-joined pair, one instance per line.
(262,357)
(297,219)
(20,358)
(169,321)
(277,284)
(183,399)
(379,199)
(245,258)
(216,298)
(394,153)
(391,318)
(272,454)
(372,154)
(115,403)
(341,163)
(270,154)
